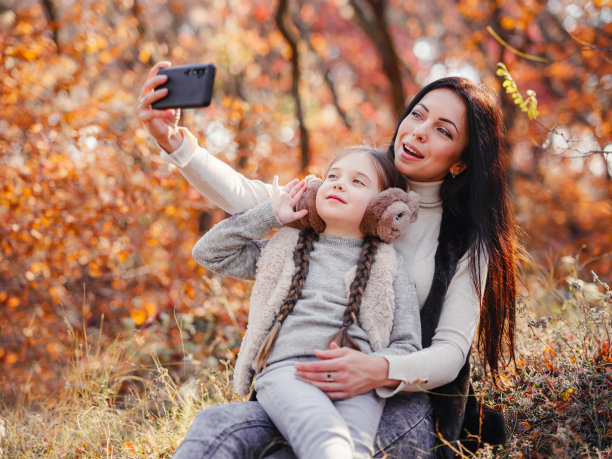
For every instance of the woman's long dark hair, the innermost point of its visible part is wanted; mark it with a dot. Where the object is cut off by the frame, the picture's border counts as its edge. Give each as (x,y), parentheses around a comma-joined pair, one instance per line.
(478,201)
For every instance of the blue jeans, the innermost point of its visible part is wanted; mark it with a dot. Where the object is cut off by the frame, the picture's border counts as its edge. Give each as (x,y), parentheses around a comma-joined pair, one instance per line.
(244,430)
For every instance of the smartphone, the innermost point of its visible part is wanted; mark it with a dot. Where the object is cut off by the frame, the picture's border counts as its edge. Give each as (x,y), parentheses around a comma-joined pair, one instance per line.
(189,86)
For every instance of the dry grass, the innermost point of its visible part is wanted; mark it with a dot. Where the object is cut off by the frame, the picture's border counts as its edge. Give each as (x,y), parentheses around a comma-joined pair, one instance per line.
(120,401)
(112,405)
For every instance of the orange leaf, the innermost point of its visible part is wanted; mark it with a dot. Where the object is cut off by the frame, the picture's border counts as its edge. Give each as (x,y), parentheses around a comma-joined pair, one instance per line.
(139,316)
(13,302)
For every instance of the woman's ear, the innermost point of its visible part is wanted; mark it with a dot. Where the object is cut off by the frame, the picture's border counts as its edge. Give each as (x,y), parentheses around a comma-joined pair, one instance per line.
(389,213)
(308,201)
(458,168)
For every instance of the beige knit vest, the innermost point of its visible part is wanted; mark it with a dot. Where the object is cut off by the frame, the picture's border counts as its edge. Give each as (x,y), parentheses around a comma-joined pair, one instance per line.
(275,269)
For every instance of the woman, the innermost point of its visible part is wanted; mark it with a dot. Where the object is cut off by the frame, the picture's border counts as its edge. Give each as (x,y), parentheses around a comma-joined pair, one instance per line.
(460,254)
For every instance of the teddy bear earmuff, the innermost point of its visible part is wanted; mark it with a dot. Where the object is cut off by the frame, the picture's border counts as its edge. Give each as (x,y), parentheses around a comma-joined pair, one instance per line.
(387,215)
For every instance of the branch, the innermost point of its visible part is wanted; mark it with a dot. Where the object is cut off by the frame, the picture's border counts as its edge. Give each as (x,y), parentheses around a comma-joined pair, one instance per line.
(292,40)
(512,49)
(51,16)
(377,29)
(305,34)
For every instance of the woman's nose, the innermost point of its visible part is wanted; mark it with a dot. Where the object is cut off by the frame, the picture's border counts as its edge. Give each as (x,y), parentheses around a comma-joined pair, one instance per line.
(419,134)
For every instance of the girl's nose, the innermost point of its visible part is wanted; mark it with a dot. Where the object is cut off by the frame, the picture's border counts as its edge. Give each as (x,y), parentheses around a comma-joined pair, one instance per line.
(337,186)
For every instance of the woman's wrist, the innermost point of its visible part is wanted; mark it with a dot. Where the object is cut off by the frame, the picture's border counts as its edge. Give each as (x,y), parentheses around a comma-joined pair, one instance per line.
(381,368)
(173,143)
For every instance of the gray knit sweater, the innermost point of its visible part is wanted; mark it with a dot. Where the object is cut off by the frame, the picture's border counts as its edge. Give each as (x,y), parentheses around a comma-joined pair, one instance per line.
(233,248)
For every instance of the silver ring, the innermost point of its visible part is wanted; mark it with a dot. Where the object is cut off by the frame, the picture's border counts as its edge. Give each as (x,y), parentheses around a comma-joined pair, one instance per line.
(328,377)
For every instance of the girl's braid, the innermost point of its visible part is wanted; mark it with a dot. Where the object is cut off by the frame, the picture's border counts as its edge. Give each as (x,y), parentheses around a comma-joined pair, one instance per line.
(358,286)
(301,257)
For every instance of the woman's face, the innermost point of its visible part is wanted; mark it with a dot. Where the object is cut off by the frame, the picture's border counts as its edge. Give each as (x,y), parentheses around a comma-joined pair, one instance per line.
(431,138)
(348,188)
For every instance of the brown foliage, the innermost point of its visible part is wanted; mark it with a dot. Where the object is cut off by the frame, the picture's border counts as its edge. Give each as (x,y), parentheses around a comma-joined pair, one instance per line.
(95,229)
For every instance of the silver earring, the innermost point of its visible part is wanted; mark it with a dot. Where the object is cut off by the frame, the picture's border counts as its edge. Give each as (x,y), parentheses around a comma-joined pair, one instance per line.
(454,173)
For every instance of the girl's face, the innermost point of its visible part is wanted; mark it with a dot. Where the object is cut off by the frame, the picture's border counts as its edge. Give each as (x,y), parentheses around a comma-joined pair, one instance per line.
(431,138)
(348,188)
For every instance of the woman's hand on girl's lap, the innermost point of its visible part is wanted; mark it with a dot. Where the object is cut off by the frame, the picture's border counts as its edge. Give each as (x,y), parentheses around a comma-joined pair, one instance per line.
(161,124)
(352,372)
(284,200)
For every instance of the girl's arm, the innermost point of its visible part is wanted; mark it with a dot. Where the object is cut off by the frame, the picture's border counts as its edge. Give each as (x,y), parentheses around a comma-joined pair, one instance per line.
(233,246)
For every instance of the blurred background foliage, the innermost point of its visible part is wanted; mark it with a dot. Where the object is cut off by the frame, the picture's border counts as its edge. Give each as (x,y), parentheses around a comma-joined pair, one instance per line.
(96,232)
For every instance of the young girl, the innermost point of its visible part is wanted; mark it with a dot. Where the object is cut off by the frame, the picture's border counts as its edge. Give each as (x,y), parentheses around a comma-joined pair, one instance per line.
(342,287)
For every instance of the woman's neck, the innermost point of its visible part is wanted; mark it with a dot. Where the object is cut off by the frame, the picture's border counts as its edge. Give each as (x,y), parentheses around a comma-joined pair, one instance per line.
(429,192)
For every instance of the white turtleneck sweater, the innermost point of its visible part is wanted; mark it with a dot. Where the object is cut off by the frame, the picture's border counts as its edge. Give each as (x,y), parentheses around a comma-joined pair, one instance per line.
(423,370)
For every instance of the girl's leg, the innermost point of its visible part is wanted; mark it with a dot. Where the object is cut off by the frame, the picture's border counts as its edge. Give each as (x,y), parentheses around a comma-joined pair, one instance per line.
(362,414)
(235,430)
(244,430)
(406,427)
(303,414)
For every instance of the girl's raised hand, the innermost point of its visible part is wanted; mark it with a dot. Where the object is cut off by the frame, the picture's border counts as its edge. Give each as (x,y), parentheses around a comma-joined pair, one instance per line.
(284,200)
(161,124)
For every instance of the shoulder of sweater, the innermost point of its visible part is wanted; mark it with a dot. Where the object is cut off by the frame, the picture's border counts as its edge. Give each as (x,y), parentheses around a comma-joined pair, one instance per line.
(284,236)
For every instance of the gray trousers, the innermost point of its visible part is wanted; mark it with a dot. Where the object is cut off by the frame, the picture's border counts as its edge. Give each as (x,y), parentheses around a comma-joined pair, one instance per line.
(244,430)
(315,426)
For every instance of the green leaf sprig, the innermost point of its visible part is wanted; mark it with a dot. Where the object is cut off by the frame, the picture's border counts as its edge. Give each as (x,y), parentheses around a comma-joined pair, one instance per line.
(528,105)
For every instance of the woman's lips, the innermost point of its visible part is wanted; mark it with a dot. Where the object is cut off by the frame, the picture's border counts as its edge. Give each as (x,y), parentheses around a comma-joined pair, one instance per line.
(410,152)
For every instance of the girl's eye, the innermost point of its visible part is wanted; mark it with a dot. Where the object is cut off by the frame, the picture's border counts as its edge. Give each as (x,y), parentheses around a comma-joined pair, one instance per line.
(416,114)
(331,176)
(358,182)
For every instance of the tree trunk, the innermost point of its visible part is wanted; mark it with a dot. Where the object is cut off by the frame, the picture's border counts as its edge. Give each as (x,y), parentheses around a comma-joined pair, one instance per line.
(376,27)
(292,40)
(51,15)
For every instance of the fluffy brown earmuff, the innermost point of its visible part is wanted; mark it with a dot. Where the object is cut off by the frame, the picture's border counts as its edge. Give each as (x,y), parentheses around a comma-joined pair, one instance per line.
(309,201)
(387,215)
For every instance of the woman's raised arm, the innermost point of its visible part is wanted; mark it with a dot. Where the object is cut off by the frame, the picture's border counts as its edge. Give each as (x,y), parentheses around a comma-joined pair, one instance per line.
(215,180)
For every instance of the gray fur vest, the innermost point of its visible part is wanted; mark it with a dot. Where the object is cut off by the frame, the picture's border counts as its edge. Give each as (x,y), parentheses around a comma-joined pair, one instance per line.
(275,269)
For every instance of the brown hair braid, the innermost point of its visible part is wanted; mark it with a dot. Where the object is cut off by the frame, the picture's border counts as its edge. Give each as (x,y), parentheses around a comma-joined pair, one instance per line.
(358,286)
(301,257)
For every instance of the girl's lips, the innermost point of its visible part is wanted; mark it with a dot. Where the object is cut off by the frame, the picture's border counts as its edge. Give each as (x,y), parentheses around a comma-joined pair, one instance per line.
(333,196)
(410,152)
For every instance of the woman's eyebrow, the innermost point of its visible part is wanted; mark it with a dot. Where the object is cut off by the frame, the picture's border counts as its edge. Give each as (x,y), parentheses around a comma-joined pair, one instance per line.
(441,119)
(449,121)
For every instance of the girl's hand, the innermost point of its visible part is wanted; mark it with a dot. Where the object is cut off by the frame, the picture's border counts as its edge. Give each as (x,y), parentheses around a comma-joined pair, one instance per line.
(352,372)
(161,124)
(285,200)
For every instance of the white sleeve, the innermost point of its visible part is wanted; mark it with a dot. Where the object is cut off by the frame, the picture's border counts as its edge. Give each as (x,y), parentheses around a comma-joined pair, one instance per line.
(440,363)
(215,180)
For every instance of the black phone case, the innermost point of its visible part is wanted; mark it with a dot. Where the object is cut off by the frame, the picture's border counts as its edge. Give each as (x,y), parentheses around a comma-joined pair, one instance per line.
(189,86)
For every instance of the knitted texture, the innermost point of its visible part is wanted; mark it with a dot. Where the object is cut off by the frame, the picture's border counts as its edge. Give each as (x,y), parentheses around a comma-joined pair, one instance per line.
(274,271)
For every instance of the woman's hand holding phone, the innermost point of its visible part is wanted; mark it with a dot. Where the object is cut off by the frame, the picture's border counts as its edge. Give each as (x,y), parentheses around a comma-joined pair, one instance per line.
(161,124)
